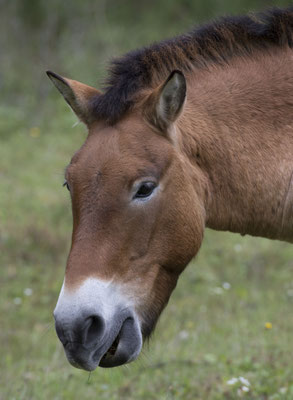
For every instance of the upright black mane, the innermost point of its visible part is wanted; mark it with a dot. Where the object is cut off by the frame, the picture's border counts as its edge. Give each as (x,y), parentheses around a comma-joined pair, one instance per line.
(216,42)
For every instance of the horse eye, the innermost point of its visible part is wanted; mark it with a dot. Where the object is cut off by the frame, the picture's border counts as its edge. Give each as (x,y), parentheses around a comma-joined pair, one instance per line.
(66,185)
(145,189)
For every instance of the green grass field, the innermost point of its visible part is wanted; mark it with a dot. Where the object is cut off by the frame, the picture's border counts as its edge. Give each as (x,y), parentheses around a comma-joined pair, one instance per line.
(230,316)
(227,331)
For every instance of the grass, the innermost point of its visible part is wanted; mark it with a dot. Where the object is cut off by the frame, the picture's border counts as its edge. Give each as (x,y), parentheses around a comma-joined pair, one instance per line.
(213,329)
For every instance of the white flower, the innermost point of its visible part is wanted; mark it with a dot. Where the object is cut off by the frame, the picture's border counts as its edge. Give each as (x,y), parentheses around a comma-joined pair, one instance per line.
(183,335)
(28,291)
(244,381)
(245,384)
(226,285)
(17,301)
(217,290)
(232,381)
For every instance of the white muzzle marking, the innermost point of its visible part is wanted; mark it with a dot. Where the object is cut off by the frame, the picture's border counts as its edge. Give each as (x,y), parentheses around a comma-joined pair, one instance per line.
(104,297)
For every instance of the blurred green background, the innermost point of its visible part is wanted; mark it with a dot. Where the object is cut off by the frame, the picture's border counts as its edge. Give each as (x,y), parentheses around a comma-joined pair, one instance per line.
(231,314)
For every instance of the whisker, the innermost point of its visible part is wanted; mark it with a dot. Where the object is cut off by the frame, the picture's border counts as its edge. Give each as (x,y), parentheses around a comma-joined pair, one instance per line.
(46,330)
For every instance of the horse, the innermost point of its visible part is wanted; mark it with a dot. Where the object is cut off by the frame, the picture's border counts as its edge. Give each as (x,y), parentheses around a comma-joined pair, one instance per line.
(191,132)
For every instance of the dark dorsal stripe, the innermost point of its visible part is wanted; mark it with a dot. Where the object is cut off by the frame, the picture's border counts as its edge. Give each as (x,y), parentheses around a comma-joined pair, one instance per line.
(216,42)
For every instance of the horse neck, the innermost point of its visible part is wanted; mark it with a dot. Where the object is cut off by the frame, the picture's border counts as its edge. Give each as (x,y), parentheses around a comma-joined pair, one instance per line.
(237,129)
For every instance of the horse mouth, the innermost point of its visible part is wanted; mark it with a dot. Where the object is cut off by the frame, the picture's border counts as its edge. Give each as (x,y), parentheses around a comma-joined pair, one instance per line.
(125,347)
(112,349)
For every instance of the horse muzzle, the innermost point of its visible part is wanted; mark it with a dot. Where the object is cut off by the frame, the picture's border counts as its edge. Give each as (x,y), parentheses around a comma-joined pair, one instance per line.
(97,330)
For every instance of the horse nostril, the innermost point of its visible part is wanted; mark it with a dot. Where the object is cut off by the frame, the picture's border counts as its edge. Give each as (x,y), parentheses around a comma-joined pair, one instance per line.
(94,329)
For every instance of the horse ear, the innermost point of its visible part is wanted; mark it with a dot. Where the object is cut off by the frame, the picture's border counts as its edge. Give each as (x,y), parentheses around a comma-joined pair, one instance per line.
(77,95)
(165,103)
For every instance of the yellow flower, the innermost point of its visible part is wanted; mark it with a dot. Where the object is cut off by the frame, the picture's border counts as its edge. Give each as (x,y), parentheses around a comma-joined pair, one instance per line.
(268,325)
(35,132)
